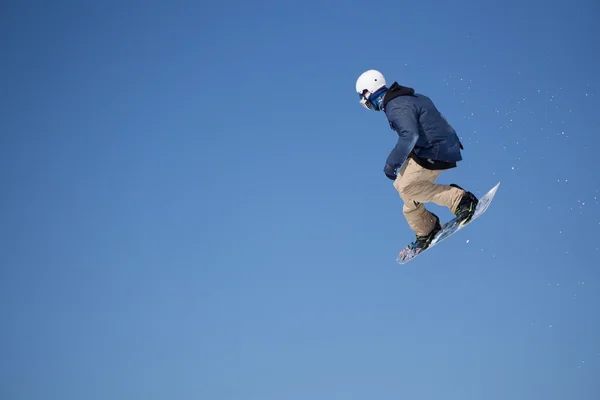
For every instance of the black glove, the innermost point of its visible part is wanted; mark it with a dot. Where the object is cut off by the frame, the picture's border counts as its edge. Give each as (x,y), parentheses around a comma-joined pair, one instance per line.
(390,172)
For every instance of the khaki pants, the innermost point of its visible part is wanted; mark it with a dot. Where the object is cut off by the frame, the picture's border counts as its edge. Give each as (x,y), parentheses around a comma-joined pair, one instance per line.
(415,185)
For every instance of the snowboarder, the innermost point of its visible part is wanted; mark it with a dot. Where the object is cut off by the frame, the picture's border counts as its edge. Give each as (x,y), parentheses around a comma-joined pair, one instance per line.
(427,145)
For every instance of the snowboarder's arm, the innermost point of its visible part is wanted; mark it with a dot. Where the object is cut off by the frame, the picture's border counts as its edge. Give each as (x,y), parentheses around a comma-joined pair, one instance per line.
(404,121)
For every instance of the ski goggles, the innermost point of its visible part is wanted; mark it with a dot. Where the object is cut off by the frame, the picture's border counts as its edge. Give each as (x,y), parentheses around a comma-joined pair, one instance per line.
(364,99)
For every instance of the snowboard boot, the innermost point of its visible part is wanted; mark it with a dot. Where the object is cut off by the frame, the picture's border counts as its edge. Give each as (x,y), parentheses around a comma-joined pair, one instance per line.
(466,207)
(423,242)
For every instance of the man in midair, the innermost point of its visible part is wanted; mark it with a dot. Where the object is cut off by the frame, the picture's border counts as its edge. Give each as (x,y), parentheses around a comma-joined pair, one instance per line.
(427,145)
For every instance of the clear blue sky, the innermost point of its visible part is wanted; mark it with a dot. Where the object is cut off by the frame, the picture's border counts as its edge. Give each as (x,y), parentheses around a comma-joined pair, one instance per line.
(193,202)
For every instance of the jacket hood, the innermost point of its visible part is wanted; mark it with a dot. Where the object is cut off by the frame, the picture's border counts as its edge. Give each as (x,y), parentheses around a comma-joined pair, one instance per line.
(397,90)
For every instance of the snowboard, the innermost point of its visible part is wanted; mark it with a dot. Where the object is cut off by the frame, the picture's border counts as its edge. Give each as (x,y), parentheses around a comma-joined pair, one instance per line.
(449,228)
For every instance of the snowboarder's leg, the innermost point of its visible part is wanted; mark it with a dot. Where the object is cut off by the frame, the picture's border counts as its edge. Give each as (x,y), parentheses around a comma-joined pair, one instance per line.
(417,184)
(421,221)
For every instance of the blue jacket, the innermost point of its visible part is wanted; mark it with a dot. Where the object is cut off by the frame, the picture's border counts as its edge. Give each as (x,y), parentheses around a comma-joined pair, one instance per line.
(421,130)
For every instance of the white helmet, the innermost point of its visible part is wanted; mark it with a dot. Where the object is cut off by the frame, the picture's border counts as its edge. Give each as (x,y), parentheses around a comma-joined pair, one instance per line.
(368,83)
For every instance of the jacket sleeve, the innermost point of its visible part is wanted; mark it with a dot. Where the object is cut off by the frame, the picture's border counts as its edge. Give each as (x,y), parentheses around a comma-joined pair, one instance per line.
(404,121)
